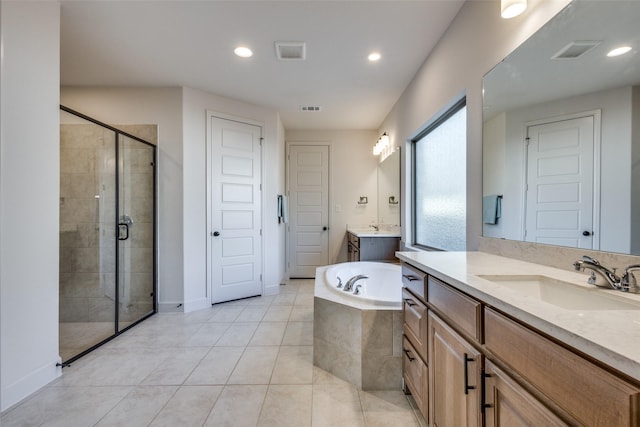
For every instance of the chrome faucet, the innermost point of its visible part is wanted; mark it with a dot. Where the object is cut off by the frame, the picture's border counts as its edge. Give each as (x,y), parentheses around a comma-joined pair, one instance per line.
(628,282)
(611,280)
(357,291)
(349,286)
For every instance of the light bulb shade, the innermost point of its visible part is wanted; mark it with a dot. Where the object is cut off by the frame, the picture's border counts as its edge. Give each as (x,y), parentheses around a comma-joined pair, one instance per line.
(512,8)
(384,140)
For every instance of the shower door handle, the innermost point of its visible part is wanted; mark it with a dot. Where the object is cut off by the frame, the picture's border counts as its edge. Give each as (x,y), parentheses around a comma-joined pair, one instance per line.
(123,231)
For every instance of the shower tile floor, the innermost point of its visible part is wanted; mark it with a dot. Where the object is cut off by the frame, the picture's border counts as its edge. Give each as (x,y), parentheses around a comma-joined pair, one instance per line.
(241,363)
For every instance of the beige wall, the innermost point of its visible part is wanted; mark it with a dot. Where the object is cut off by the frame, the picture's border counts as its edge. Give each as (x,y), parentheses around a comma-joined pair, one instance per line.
(476,40)
(353,173)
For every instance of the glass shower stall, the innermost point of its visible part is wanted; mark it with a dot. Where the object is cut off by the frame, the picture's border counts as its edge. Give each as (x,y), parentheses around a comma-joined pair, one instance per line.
(107,231)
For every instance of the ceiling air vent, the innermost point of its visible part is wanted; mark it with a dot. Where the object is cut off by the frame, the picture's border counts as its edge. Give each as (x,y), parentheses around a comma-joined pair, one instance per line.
(575,49)
(311,108)
(290,51)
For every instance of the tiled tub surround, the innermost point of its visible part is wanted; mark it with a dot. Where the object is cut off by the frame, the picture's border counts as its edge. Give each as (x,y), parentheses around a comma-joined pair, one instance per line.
(357,341)
(612,337)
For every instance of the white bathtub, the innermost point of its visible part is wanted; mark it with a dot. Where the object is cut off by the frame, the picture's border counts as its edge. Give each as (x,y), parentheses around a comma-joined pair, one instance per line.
(359,337)
(382,287)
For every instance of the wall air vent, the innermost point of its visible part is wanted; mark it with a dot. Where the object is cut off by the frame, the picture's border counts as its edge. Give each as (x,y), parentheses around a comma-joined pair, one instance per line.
(575,49)
(290,51)
(311,108)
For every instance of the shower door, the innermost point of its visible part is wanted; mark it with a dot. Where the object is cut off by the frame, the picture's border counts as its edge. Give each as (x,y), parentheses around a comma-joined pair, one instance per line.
(107,232)
(136,177)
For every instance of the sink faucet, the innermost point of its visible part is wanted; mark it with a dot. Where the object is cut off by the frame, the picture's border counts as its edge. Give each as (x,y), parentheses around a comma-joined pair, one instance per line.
(628,282)
(349,286)
(611,280)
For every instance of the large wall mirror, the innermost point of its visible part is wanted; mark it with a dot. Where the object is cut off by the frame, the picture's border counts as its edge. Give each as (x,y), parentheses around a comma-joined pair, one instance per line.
(389,190)
(561,134)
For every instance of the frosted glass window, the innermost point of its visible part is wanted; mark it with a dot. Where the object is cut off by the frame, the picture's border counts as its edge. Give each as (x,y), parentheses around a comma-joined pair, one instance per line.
(440,183)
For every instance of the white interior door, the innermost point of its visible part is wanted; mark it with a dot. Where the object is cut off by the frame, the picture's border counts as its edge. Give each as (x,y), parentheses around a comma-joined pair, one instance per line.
(560,183)
(309,209)
(235,210)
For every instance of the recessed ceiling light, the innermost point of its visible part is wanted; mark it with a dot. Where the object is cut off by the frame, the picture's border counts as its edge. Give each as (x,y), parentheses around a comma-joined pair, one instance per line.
(243,52)
(374,56)
(619,51)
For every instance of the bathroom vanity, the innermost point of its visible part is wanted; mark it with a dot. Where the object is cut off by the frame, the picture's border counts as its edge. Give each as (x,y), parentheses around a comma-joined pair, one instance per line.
(489,340)
(368,244)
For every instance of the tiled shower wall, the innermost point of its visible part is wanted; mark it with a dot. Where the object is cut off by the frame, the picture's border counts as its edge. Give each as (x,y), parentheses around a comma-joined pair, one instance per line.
(87,226)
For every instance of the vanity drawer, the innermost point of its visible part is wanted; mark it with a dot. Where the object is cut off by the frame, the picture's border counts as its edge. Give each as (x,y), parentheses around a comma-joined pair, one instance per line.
(415,322)
(459,309)
(590,394)
(354,240)
(414,280)
(416,376)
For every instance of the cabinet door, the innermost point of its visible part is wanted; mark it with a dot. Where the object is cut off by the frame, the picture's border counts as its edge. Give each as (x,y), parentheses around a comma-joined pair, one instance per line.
(455,368)
(509,405)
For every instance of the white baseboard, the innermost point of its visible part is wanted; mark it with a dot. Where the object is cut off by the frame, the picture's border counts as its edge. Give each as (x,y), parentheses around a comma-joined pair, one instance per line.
(29,384)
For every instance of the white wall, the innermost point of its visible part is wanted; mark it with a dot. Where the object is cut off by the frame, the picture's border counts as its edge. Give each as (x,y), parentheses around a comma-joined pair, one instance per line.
(29,197)
(182,230)
(476,40)
(161,106)
(353,173)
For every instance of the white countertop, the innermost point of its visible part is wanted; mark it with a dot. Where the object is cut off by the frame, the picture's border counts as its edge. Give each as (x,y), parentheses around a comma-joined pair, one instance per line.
(370,232)
(612,336)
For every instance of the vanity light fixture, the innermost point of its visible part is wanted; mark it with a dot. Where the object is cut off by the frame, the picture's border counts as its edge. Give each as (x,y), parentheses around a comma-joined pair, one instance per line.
(512,8)
(381,144)
(619,51)
(243,52)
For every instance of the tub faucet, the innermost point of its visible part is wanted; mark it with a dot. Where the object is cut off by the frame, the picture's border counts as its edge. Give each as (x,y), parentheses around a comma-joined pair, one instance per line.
(612,281)
(349,286)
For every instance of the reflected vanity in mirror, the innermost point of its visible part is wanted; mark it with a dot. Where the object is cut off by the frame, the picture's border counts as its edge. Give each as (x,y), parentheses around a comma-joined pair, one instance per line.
(389,190)
(561,132)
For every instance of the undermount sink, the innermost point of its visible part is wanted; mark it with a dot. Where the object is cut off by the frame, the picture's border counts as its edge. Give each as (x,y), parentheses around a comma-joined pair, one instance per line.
(563,294)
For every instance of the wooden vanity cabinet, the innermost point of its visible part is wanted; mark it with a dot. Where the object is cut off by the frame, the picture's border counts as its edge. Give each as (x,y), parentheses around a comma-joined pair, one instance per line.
(486,368)
(507,404)
(374,248)
(455,382)
(415,371)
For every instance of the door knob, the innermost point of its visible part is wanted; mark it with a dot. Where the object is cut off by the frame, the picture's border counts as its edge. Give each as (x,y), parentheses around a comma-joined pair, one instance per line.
(586,233)
(324,228)
(216,234)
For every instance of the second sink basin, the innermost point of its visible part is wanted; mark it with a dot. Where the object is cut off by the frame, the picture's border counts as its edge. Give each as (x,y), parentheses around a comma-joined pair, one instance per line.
(563,294)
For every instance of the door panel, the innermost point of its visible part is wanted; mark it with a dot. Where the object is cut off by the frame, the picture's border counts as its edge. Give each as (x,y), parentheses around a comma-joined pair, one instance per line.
(235,261)
(309,195)
(136,233)
(560,177)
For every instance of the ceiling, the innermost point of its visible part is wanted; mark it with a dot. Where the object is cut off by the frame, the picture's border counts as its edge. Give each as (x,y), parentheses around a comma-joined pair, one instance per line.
(190,43)
(530,76)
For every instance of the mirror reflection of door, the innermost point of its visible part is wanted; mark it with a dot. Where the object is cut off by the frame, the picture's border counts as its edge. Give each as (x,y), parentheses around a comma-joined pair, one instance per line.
(560,183)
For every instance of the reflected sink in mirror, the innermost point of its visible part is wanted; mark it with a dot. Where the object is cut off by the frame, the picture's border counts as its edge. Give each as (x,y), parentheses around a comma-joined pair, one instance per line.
(562,294)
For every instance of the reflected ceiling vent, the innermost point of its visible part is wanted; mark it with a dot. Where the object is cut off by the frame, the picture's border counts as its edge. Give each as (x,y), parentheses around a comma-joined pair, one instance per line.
(576,49)
(291,51)
(310,108)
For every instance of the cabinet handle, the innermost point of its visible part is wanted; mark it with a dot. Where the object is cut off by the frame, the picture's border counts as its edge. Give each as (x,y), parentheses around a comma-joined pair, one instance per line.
(408,353)
(410,302)
(467,387)
(410,278)
(483,392)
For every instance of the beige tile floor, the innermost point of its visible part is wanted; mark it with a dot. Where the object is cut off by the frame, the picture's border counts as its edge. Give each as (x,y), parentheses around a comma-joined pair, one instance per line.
(242,363)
